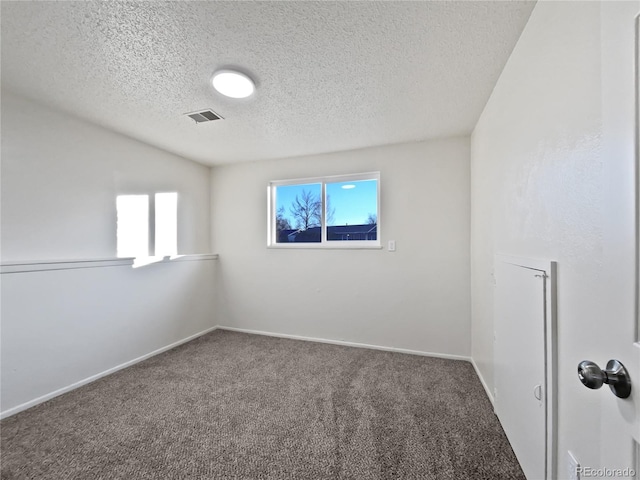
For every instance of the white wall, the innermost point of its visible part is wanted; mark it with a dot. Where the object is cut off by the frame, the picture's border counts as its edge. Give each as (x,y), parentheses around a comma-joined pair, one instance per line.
(548,182)
(62,327)
(60,179)
(416,298)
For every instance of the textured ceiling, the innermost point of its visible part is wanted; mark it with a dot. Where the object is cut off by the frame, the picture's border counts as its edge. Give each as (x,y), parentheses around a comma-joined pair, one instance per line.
(330,75)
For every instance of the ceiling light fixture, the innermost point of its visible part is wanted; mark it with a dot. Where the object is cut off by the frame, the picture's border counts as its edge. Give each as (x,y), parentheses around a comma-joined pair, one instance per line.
(233,84)
(348,186)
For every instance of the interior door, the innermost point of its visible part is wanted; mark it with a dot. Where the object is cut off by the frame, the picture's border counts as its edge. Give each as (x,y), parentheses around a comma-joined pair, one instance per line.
(619,324)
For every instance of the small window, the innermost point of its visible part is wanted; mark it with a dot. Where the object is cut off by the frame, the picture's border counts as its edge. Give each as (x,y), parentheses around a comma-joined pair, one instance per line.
(340,211)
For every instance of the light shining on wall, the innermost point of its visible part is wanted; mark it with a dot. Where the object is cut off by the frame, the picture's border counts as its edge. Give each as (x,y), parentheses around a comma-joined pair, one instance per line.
(166,224)
(135,238)
(133,225)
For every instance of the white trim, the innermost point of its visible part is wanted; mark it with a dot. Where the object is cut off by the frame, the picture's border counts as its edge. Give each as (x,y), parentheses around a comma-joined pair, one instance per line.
(551,331)
(72,264)
(327,178)
(482,381)
(146,261)
(346,343)
(44,265)
(635,432)
(92,378)
(323,213)
(636,164)
(353,245)
(191,257)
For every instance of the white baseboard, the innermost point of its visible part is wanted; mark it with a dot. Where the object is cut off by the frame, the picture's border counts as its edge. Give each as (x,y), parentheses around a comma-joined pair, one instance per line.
(347,344)
(484,384)
(48,396)
(372,347)
(92,378)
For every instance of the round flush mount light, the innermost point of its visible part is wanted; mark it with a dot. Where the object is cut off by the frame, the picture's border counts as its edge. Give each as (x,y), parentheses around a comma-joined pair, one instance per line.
(233,84)
(348,186)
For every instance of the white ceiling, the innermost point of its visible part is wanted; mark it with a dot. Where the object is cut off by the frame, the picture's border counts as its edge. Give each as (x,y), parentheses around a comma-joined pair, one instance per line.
(330,75)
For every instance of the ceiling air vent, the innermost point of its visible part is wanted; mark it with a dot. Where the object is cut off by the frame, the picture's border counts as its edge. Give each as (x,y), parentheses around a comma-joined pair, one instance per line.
(203,116)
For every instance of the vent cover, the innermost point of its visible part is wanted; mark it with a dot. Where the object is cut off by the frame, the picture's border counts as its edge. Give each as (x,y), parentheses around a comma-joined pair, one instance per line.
(204,116)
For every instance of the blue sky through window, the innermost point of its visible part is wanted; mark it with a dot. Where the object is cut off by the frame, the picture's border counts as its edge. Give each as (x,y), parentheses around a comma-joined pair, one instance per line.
(352,201)
(286,197)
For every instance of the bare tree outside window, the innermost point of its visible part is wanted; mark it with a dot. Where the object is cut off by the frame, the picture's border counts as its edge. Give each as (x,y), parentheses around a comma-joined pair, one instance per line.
(306,210)
(282,222)
(331,212)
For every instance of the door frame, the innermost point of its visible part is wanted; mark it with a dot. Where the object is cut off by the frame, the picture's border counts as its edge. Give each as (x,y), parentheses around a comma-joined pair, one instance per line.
(636,160)
(548,270)
(636,134)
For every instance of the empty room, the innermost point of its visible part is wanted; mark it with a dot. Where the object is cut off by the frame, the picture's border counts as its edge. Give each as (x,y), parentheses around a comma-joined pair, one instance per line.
(319,240)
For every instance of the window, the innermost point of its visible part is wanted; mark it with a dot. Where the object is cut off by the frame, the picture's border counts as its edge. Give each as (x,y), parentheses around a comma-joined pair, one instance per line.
(136,235)
(340,211)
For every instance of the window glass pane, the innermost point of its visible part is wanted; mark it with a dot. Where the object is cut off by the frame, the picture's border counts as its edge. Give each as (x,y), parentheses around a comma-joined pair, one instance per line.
(298,213)
(133,225)
(352,210)
(166,224)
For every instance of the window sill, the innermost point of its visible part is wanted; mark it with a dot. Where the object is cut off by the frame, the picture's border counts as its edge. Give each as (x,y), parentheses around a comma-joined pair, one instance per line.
(321,246)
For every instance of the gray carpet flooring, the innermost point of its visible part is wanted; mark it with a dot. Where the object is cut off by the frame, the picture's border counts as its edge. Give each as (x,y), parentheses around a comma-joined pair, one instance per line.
(233,405)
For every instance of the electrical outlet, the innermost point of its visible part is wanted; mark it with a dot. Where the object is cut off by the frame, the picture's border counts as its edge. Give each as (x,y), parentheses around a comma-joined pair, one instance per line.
(392,245)
(573,467)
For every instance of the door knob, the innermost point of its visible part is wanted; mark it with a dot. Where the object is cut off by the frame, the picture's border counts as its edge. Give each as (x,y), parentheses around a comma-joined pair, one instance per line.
(615,375)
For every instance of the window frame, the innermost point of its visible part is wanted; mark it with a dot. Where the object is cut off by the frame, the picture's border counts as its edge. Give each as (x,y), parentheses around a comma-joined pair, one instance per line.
(324,243)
